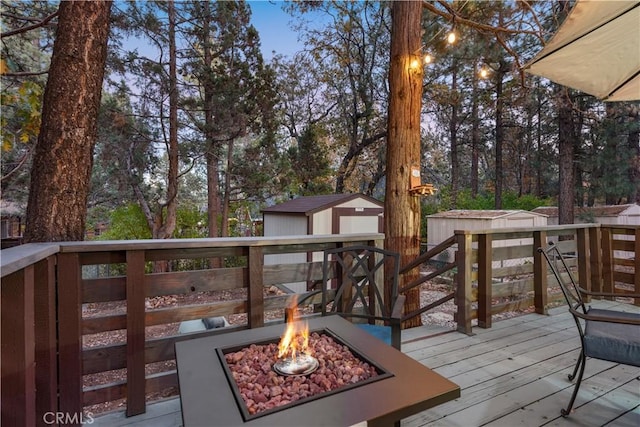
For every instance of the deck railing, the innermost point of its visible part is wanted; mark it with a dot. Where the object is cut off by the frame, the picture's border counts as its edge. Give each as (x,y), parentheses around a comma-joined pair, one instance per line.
(501,270)
(73,311)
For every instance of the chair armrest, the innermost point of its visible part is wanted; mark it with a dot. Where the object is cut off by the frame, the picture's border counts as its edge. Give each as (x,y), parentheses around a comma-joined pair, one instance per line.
(607,294)
(398,306)
(608,319)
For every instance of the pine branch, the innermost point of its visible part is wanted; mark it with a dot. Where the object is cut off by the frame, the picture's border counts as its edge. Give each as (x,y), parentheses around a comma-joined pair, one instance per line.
(21,30)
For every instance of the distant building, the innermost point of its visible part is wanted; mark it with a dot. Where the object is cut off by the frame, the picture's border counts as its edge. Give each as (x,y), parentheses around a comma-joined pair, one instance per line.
(319,215)
(443,225)
(610,214)
(11,223)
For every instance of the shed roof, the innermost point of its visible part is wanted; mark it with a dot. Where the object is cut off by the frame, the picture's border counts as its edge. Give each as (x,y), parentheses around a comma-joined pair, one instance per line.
(609,210)
(481,214)
(308,205)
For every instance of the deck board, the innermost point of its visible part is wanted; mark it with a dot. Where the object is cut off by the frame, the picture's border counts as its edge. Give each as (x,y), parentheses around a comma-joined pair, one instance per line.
(514,374)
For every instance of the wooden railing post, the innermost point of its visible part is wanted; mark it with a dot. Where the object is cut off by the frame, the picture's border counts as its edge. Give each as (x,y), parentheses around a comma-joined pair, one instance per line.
(255,299)
(70,333)
(584,271)
(607,259)
(485,279)
(136,380)
(595,258)
(463,281)
(46,344)
(540,285)
(636,266)
(18,393)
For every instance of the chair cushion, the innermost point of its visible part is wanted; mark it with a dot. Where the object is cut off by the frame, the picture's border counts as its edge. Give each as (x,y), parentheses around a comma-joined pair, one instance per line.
(616,342)
(381,332)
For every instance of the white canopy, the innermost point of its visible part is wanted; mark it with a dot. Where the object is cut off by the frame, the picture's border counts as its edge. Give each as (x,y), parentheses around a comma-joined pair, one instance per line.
(596,50)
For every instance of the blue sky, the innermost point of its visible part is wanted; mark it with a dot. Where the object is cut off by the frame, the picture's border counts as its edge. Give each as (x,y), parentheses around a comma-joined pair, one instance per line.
(273,25)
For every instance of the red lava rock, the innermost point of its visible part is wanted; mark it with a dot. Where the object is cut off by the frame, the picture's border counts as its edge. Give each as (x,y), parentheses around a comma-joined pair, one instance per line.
(261,388)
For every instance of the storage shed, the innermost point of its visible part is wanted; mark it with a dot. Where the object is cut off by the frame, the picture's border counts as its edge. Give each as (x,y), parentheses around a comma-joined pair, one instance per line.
(610,214)
(326,214)
(318,215)
(442,225)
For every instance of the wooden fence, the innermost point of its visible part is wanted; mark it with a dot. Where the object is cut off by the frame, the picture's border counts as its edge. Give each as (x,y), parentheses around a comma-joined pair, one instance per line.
(55,301)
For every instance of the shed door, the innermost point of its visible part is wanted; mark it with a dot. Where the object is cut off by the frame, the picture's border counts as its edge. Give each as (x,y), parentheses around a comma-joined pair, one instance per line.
(357,220)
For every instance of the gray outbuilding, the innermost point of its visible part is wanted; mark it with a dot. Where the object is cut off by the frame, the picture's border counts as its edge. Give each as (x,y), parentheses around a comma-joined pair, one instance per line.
(320,215)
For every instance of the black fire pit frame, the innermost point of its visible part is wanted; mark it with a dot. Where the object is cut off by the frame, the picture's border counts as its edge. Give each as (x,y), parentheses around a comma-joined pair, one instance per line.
(221,352)
(208,399)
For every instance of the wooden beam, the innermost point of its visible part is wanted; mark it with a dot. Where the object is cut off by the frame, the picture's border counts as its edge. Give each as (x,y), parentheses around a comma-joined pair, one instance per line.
(255,299)
(485,285)
(463,281)
(540,283)
(135,333)
(46,346)
(17,343)
(595,258)
(69,333)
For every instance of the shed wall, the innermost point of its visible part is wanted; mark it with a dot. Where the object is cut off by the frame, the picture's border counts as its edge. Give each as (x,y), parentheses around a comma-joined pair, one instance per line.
(321,222)
(441,228)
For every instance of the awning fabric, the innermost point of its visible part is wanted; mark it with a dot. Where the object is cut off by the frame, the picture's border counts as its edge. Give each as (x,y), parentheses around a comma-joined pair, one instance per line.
(596,50)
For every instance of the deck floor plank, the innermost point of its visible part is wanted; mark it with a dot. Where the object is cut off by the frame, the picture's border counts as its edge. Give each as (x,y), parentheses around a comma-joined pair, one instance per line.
(513,374)
(629,419)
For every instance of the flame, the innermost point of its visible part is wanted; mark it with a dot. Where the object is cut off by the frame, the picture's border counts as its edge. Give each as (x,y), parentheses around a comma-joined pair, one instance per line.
(295,340)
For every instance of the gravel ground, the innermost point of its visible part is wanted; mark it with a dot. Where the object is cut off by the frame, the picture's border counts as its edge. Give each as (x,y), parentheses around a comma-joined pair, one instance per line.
(429,292)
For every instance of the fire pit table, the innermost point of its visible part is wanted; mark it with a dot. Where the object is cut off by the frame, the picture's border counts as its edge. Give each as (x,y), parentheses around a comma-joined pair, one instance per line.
(402,387)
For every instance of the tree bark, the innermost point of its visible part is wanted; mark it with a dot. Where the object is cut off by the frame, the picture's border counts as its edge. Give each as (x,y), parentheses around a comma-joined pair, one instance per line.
(61,170)
(566,157)
(167,225)
(633,143)
(453,135)
(499,134)
(402,210)
(213,181)
(475,137)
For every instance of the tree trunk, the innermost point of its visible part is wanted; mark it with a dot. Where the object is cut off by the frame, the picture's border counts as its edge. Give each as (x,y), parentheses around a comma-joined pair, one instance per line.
(402,210)
(633,143)
(499,134)
(475,137)
(565,151)
(565,158)
(539,190)
(61,170)
(213,198)
(453,135)
(226,201)
(167,225)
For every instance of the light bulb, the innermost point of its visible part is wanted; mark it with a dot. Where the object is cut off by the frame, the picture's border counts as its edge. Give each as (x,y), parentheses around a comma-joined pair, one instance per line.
(484,73)
(414,64)
(451,37)
(428,59)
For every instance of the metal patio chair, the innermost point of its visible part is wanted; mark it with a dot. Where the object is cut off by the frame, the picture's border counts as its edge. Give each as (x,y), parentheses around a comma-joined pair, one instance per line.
(611,335)
(352,287)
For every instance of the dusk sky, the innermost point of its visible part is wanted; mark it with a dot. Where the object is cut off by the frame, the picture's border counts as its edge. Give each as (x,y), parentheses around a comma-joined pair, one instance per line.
(273,25)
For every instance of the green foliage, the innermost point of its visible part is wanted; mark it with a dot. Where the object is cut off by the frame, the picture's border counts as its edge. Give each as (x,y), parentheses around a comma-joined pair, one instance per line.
(190,223)
(22,124)
(484,201)
(127,223)
(310,162)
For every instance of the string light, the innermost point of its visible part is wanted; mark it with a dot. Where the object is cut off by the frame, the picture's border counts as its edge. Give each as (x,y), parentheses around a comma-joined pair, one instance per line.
(484,73)
(451,37)
(428,59)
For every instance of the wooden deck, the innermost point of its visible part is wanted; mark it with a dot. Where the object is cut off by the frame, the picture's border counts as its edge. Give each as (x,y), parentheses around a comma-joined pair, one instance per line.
(514,374)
